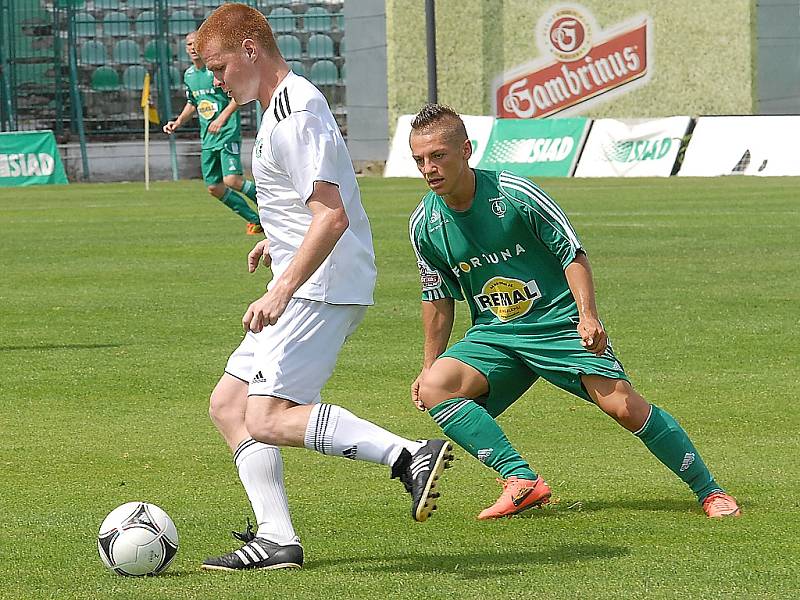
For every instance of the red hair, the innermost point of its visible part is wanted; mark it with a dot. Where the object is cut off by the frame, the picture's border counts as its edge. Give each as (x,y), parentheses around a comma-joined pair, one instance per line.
(230,24)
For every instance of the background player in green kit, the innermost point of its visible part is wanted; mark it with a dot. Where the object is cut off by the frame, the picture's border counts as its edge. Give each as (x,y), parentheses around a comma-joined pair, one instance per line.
(500,243)
(221,136)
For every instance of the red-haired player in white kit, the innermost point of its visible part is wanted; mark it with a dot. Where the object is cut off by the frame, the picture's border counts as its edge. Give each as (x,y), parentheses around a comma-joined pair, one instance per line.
(319,244)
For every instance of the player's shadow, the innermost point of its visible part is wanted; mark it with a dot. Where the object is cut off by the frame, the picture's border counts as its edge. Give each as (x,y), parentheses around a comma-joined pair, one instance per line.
(476,565)
(665,505)
(58,347)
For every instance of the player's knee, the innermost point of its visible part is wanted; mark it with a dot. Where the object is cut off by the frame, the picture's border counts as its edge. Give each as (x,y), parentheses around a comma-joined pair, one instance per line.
(233,181)
(435,389)
(216,190)
(626,406)
(262,429)
(223,410)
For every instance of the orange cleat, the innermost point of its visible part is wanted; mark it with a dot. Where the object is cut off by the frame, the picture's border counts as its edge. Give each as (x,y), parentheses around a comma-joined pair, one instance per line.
(720,504)
(254,229)
(518,495)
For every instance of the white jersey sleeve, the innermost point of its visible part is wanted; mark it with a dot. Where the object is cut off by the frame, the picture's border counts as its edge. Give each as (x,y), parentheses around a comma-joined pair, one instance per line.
(306,150)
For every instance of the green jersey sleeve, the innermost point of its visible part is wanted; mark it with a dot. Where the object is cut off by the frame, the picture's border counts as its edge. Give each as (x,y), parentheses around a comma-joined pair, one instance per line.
(188,90)
(548,222)
(437,279)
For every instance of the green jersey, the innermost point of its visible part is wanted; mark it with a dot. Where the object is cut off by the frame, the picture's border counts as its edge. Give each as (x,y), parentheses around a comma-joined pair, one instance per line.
(210,101)
(505,255)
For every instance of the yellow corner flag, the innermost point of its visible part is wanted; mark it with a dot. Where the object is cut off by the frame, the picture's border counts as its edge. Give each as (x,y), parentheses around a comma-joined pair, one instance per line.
(151,114)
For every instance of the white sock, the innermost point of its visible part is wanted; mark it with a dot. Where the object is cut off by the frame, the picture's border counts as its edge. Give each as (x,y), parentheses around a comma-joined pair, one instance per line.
(336,431)
(261,472)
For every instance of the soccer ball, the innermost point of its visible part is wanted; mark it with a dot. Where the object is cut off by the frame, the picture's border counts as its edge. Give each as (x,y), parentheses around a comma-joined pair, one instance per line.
(137,539)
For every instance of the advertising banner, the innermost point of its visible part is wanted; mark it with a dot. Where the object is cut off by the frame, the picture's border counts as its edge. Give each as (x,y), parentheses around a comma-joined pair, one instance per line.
(543,148)
(632,148)
(758,145)
(579,65)
(401,164)
(30,158)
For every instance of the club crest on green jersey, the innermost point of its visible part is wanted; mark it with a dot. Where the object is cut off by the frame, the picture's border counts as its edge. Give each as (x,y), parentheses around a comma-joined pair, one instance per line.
(498,206)
(507,298)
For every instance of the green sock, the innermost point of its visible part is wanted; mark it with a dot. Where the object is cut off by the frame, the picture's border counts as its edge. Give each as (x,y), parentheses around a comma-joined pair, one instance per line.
(472,428)
(249,190)
(670,444)
(239,205)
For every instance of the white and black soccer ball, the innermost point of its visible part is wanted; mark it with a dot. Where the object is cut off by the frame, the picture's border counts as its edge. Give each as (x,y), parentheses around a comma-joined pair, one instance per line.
(137,539)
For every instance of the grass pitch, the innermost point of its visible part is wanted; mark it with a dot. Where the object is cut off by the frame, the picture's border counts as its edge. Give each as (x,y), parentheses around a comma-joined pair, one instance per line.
(118,309)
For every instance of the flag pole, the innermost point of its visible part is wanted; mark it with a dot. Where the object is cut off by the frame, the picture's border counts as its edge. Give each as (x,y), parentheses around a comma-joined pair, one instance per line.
(146,149)
(146,112)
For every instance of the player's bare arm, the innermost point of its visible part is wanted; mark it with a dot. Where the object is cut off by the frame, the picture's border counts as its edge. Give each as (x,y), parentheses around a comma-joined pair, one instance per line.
(186,114)
(223,117)
(581,284)
(437,325)
(259,251)
(328,223)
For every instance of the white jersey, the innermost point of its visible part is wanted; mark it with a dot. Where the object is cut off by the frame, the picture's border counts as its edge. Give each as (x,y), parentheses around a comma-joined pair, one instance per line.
(299,143)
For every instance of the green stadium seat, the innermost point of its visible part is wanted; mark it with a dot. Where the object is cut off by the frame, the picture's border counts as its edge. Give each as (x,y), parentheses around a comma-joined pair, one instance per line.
(116,24)
(133,77)
(141,4)
(93,53)
(298,67)
(105,79)
(106,4)
(72,3)
(320,46)
(151,51)
(33,74)
(146,23)
(85,25)
(126,52)
(26,46)
(289,46)
(282,20)
(175,78)
(317,18)
(324,72)
(210,3)
(181,22)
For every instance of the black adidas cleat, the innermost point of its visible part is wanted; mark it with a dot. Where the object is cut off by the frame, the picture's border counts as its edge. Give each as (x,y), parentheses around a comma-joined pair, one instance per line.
(258,553)
(420,475)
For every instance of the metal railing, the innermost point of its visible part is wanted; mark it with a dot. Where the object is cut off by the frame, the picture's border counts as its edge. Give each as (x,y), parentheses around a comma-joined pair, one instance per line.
(77,66)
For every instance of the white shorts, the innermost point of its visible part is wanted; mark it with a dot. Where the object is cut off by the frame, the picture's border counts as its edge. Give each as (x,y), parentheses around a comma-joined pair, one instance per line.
(294,358)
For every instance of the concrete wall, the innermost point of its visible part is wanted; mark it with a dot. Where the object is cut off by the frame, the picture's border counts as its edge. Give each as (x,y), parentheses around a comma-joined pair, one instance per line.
(366,84)
(124,161)
(703,53)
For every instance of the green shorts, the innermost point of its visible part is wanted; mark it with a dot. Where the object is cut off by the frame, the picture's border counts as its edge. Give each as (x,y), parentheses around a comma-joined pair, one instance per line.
(220,162)
(512,360)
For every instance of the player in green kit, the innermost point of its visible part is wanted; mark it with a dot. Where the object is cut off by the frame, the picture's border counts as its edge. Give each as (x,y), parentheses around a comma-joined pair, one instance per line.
(504,246)
(221,137)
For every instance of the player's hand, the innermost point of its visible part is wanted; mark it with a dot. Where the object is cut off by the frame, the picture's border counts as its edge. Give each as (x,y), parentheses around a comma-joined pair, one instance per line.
(265,311)
(259,251)
(216,125)
(170,127)
(415,391)
(593,335)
